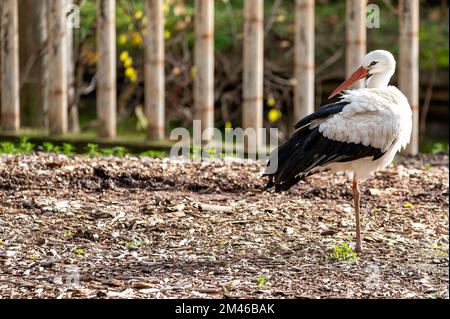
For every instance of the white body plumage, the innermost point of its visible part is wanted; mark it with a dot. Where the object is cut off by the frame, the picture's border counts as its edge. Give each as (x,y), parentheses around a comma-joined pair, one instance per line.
(377,117)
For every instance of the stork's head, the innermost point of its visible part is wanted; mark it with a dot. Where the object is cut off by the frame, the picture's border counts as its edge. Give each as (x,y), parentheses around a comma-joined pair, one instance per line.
(379,61)
(377,68)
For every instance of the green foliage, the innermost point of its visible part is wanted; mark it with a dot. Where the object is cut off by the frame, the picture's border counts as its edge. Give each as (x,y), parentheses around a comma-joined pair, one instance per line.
(343,252)
(152,153)
(114,151)
(263,282)
(22,147)
(440,251)
(67,149)
(134,244)
(68,234)
(25,147)
(434,47)
(119,151)
(7,148)
(92,150)
(439,148)
(79,251)
(106,151)
(48,147)
(198,151)
(434,147)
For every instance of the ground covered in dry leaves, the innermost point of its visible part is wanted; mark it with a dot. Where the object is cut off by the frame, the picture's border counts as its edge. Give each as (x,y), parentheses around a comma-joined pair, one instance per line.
(80,227)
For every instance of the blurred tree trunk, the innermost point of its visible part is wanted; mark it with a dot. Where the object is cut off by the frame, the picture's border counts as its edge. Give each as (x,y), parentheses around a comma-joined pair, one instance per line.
(154,70)
(10,103)
(356,35)
(32,37)
(204,66)
(106,68)
(304,58)
(253,84)
(408,79)
(57,67)
(73,118)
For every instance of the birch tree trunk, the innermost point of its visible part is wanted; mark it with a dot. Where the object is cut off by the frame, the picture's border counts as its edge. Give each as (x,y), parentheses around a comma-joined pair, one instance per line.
(106,67)
(252,116)
(10,103)
(409,64)
(356,36)
(154,70)
(57,67)
(73,119)
(204,66)
(304,59)
(32,37)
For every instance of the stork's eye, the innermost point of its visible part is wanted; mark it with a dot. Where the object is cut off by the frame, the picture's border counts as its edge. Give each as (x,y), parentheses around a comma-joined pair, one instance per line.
(373,63)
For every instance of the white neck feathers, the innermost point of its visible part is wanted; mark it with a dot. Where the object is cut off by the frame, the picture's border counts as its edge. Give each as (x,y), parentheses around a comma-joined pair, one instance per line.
(378,80)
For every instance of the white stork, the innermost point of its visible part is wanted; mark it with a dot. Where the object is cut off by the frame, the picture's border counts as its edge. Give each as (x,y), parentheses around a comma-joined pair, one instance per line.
(360,133)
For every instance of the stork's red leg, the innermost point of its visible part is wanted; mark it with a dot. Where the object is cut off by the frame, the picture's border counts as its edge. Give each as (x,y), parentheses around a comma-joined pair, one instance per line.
(356,196)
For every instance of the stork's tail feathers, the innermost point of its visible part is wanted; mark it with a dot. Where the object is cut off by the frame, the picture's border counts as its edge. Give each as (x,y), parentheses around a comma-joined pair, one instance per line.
(282,186)
(270,182)
(284,176)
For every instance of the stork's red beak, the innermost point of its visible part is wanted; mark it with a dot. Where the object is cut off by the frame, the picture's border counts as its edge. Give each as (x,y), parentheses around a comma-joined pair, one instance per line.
(356,76)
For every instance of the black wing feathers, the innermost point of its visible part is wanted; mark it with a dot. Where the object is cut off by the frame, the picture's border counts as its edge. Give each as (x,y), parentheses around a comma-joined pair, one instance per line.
(307,149)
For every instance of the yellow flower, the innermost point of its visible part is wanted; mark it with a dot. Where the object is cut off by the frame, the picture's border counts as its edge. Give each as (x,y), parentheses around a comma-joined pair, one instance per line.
(281,18)
(167,34)
(193,72)
(408,205)
(136,38)
(124,55)
(131,73)
(176,70)
(271,101)
(165,7)
(228,124)
(274,115)
(128,62)
(122,39)
(138,15)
